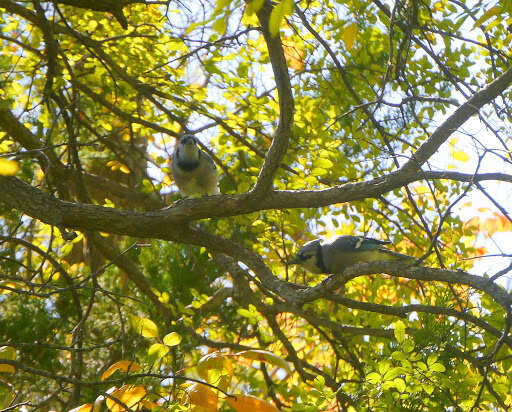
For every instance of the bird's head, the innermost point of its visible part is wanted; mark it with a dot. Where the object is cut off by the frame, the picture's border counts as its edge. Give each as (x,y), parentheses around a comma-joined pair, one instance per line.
(308,256)
(188,148)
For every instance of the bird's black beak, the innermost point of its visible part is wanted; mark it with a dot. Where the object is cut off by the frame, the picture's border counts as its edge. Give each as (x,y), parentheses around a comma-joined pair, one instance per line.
(187,139)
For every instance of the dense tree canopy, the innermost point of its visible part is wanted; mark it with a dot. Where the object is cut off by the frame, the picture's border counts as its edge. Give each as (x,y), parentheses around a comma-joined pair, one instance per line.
(385,118)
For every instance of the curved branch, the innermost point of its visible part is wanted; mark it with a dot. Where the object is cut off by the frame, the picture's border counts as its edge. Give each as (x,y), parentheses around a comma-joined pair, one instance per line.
(335,281)
(279,144)
(158,224)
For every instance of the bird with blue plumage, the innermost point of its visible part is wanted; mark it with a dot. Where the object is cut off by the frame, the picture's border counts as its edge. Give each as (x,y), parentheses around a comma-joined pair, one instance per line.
(193,170)
(335,254)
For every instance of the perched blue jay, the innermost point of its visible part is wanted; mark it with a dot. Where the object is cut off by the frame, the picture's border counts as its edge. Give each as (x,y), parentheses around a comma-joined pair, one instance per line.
(193,170)
(334,255)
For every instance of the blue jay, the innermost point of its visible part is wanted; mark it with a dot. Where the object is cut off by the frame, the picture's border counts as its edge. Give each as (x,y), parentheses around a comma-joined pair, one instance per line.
(193,170)
(334,255)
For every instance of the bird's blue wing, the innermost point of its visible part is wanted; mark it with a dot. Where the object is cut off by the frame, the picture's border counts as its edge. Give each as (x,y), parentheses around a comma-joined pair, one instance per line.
(357,243)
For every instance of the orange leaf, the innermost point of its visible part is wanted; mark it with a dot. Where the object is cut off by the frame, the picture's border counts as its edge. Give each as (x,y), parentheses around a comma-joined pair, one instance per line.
(130,395)
(505,223)
(7,368)
(293,54)
(203,396)
(124,365)
(480,251)
(246,403)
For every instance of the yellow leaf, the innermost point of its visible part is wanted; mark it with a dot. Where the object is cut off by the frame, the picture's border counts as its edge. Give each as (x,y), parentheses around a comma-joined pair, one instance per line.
(399,330)
(202,396)
(421,189)
(7,368)
(130,395)
(280,10)
(8,167)
(254,6)
(158,350)
(323,163)
(86,407)
(349,35)
(124,365)
(460,155)
(213,361)
(6,291)
(146,327)
(487,15)
(318,171)
(245,403)
(172,339)
(288,6)
(276,16)
(124,169)
(7,352)
(265,356)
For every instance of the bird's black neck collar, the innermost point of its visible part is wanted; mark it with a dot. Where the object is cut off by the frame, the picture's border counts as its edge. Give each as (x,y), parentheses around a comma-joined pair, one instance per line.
(320,260)
(187,163)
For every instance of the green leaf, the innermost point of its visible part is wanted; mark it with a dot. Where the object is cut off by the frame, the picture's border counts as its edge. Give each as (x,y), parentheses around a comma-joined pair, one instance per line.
(384,366)
(7,352)
(373,378)
(276,17)
(437,367)
(428,388)
(493,11)
(220,25)
(421,365)
(399,330)
(323,163)
(254,6)
(221,4)
(393,373)
(408,346)
(399,384)
(349,35)
(288,7)
(319,382)
(432,358)
(399,356)
(280,10)
(318,171)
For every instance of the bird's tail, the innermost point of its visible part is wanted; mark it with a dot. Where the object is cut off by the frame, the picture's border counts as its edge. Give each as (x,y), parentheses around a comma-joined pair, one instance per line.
(391,255)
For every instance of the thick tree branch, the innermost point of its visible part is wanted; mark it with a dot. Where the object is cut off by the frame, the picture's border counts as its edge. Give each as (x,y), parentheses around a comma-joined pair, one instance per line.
(335,281)
(279,144)
(158,224)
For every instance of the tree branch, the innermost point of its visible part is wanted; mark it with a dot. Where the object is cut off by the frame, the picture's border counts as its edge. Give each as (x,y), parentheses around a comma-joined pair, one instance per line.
(279,144)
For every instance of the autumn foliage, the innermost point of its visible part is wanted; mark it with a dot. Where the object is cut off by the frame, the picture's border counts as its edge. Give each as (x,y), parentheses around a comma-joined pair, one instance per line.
(383,119)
